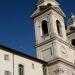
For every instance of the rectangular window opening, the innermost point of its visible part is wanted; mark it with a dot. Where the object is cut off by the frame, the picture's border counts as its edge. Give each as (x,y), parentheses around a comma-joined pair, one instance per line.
(44,70)
(6,57)
(51,51)
(33,66)
(7,73)
(21,69)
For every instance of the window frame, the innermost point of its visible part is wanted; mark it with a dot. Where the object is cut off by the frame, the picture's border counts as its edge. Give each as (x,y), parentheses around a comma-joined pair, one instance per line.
(21,69)
(6,57)
(59,29)
(7,73)
(44,70)
(44,31)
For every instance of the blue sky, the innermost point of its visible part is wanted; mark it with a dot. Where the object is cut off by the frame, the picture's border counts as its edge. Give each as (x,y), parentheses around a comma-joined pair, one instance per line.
(16,26)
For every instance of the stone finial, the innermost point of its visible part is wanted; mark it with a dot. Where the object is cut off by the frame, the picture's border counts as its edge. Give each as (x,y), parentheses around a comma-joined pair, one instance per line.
(72,15)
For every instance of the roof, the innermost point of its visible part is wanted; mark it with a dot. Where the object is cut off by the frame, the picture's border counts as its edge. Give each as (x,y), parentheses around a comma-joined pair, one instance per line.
(70,32)
(15,52)
(71,19)
(41,1)
(45,9)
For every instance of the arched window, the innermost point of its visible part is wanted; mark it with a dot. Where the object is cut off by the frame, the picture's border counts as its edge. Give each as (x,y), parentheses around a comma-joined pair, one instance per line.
(21,69)
(58,26)
(44,27)
(73,42)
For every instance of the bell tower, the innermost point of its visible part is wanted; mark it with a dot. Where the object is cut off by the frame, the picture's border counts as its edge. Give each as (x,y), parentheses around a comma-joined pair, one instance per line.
(50,33)
(49,29)
(52,44)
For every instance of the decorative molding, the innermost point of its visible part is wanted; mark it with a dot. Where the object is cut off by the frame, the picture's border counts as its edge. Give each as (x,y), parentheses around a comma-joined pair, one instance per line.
(53,35)
(55,38)
(59,71)
(34,15)
(42,15)
(39,2)
(60,60)
(50,40)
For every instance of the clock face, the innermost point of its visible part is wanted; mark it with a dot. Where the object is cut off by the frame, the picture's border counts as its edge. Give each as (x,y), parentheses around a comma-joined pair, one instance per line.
(63,52)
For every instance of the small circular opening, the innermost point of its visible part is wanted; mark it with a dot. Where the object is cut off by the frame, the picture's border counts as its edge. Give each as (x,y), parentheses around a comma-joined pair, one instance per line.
(73,42)
(49,4)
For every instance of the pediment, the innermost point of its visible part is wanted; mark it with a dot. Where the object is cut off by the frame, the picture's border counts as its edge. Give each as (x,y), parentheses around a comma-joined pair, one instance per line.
(59,11)
(45,9)
(35,13)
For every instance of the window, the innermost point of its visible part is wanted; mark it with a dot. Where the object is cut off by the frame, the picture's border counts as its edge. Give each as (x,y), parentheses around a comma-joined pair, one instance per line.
(21,69)
(51,51)
(7,73)
(6,57)
(58,26)
(73,42)
(32,66)
(44,70)
(44,27)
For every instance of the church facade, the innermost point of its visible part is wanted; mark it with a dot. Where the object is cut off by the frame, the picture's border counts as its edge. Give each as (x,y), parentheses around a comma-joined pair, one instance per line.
(55,45)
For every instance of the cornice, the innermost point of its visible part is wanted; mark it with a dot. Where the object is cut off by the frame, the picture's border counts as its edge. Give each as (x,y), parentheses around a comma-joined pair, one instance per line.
(50,40)
(41,12)
(40,2)
(60,60)
(55,38)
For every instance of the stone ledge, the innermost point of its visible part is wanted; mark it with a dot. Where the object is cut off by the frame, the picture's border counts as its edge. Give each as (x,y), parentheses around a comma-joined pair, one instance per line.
(55,38)
(60,60)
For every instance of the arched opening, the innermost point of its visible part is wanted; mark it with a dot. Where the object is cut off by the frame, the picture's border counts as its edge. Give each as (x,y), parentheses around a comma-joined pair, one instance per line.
(21,69)
(58,26)
(73,42)
(44,27)
(49,4)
